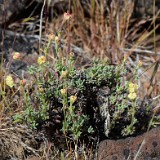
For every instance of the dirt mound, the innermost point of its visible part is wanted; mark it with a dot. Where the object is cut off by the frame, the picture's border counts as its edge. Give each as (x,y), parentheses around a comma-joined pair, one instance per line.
(17,143)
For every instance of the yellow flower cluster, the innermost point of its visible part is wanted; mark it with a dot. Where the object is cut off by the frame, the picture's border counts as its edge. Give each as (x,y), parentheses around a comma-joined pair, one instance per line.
(50,37)
(17,56)
(67,16)
(71,54)
(64,91)
(140,63)
(132,88)
(132,96)
(57,39)
(41,89)
(64,74)
(73,99)
(9,81)
(125,58)
(41,60)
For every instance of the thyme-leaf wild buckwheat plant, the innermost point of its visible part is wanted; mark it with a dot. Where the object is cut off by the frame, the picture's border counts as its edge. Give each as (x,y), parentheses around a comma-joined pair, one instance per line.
(79,104)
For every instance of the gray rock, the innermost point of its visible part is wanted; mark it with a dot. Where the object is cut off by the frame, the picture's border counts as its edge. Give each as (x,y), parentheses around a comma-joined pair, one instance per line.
(10,8)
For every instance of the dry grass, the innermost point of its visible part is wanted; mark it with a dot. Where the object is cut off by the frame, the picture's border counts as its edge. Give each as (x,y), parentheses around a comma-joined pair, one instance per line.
(117,35)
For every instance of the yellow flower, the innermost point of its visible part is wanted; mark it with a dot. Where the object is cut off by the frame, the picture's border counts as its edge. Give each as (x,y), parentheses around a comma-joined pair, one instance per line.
(51,37)
(132,87)
(73,99)
(41,89)
(125,58)
(63,91)
(41,60)
(140,63)
(71,54)
(132,96)
(67,16)
(56,39)
(9,81)
(106,60)
(64,74)
(17,55)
